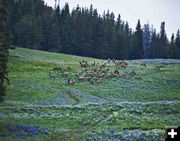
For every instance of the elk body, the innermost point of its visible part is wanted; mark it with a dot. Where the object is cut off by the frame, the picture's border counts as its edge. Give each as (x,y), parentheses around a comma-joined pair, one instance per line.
(83,64)
(143,65)
(71,81)
(57,68)
(157,68)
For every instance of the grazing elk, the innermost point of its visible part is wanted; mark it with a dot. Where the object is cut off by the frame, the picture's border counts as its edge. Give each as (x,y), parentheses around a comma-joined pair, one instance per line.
(71,81)
(132,73)
(114,61)
(120,63)
(93,64)
(52,76)
(84,64)
(116,72)
(143,65)
(137,77)
(102,66)
(109,61)
(157,68)
(123,64)
(81,78)
(57,68)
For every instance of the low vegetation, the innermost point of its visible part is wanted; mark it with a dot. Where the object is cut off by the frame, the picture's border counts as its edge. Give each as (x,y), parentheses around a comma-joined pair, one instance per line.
(106,99)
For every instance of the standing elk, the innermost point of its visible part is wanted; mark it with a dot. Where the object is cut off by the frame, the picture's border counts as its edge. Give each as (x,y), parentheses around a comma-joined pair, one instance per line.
(109,61)
(102,66)
(143,65)
(83,64)
(71,81)
(157,68)
(120,63)
(57,68)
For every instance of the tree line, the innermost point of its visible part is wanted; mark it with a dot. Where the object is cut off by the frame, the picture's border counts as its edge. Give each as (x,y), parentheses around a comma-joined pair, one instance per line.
(84,32)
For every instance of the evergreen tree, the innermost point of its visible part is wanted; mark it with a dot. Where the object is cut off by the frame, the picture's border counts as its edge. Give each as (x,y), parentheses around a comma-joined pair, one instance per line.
(177,45)
(84,32)
(155,48)
(137,50)
(4,46)
(146,41)
(172,50)
(163,42)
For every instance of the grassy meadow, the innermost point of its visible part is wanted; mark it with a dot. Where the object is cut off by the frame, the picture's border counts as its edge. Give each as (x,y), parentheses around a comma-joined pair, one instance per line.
(40,108)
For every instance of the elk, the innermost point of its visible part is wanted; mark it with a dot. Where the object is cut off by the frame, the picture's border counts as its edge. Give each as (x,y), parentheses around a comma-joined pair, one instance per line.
(114,61)
(143,65)
(52,76)
(84,64)
(57,68)
(132,73)
(105,71)
(137,77)
(124,65)
(116,72)
(81,78)
(102,66)
(71,81)
(109,61)
(157,68)
(120,63)
(99,80)
(93,64)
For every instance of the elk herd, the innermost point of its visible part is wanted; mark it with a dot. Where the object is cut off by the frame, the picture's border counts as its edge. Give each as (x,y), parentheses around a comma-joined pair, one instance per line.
(96,72)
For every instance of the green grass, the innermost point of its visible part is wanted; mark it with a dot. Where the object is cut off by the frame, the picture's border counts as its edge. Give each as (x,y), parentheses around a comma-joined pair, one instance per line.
(75,112)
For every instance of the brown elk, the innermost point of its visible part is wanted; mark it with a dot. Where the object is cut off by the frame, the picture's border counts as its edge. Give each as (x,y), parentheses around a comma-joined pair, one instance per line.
(57,68)
(71,81)
(81,78)
(109,61)
(93,64)
(102,66)
(114,61)
(84,64)
(137,77)
(143,65)
(120,63)
(157,68)
(132,73)
(116,72)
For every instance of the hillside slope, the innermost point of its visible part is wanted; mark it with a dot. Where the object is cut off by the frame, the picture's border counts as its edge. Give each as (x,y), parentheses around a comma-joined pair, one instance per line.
(84,111)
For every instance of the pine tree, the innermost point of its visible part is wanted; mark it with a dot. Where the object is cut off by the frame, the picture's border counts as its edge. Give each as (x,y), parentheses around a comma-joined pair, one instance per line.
(163,42)
(137,50)
(146,41)
(155,46)
(177,44)
(172,50)
(4,46)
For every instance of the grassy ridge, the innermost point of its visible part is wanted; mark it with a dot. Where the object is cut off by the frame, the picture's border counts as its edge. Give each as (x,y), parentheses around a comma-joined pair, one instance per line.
(83,111)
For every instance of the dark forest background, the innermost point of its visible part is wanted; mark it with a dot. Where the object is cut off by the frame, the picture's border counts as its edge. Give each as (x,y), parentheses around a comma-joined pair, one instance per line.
(84,32)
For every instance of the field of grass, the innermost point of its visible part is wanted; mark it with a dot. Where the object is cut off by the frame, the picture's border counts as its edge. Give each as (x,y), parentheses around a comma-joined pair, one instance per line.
(38,108)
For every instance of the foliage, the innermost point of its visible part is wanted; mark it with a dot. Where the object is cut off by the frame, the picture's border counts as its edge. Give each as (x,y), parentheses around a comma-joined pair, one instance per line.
(83,32)
(4,46)
(116,109)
